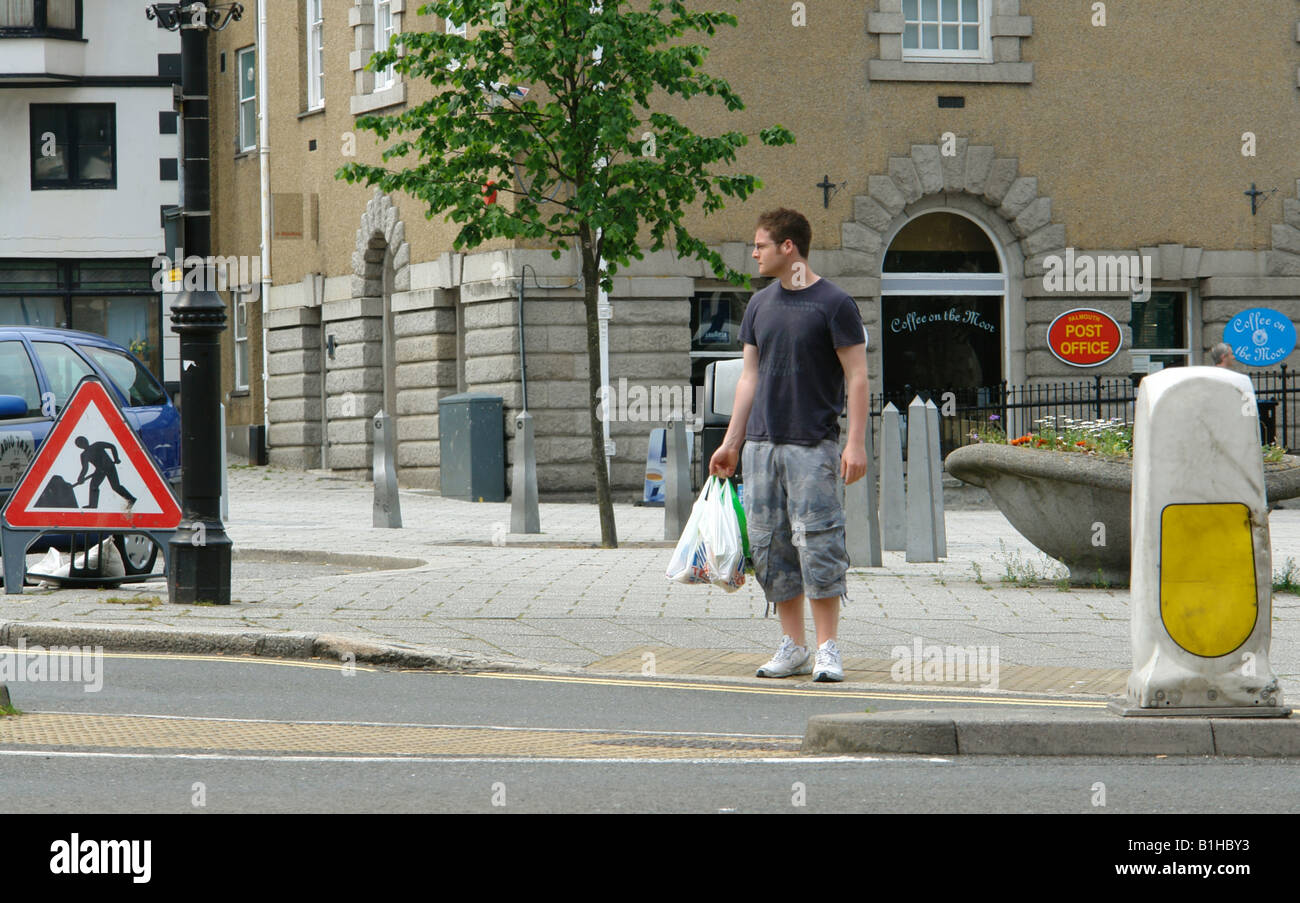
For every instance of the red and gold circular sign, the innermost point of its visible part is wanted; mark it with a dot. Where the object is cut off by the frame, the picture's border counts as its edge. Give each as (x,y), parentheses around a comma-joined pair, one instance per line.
(1084,337)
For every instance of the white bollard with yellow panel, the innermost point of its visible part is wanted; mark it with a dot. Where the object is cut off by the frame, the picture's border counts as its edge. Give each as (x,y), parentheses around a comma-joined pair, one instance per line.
(1202,582)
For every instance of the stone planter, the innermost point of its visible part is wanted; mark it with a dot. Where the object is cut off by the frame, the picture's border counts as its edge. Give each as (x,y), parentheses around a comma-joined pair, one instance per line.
(1061,501)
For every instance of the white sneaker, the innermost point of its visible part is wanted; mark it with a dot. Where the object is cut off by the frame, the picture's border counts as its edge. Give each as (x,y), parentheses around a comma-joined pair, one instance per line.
(828,668)
(789,659)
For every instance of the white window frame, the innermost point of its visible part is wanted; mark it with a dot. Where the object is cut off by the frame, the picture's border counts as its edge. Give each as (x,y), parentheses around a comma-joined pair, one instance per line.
(241,339)
(1004,26)
(916,18)
(246,142)
(384,78)
(315,55)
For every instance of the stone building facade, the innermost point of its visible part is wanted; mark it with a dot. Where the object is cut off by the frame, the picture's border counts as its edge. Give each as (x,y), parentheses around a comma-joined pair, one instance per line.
(942,182)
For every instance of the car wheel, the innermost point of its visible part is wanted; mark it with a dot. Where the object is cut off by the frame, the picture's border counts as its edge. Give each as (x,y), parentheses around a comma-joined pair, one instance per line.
(138,553)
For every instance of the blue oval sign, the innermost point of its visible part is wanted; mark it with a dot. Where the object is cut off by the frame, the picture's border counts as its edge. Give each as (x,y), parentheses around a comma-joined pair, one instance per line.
(1260,336)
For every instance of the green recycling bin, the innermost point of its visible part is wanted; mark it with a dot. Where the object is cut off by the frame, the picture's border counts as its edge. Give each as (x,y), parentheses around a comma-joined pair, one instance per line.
(472,444)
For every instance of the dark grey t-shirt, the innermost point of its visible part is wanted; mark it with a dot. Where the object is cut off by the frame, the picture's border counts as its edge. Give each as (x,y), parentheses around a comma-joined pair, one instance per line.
(800,388)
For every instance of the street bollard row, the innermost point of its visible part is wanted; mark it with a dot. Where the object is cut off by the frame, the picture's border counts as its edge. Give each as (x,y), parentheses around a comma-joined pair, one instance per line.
(893,504)
(678,498)
(387,507)
(862,516)
(524,516)
(926,540)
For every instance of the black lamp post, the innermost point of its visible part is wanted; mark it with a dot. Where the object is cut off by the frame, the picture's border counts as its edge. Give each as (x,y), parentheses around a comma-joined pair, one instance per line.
(199,568)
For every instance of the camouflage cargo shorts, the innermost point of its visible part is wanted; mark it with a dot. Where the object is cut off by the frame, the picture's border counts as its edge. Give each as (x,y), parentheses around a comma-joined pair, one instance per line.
(795,514)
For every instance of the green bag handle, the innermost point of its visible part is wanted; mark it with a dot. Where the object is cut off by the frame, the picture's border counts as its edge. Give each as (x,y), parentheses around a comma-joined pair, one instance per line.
(730,491)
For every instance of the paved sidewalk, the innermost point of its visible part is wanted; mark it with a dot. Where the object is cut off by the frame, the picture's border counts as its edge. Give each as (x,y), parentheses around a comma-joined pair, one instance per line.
(454,580)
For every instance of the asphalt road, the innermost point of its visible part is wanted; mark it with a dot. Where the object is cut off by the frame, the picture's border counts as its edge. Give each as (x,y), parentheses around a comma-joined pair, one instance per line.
(250,735)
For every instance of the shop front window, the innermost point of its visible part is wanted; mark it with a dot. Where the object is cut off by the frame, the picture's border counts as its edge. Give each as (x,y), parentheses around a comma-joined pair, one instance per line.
(1160,333)
(132,323)
(112,298)
(942,299)
(33,310)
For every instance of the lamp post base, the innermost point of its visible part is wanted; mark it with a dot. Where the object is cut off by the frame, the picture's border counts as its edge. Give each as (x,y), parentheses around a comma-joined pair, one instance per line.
(199,566)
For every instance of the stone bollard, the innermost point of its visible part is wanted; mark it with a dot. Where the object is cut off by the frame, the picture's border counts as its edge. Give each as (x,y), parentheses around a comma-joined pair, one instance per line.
(387,508)
(524,514)
(893,511)
(678,497)
(922,540)
(861,517)
(1201,590)
(936,479)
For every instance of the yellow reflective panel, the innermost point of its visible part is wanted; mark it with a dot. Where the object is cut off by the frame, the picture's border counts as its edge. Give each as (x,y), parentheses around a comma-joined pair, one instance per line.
(1207,577)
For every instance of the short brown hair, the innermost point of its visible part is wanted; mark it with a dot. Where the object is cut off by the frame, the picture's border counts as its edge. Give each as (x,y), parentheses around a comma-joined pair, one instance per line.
(784,223)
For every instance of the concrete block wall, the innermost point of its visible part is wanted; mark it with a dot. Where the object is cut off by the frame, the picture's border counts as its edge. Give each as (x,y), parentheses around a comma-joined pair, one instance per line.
(426,371)
(293,352)
(649,339)
(649,346)
(555,339)
(354,382)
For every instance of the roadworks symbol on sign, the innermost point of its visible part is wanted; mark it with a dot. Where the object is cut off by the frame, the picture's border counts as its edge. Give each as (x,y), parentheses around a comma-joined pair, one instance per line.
(93,472)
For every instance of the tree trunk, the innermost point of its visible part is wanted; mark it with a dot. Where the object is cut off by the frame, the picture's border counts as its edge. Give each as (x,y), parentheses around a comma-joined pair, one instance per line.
(591,294)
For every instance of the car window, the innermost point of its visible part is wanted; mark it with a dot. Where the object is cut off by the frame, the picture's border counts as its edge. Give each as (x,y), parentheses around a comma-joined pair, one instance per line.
(129,375)
(17,377)
(63,367)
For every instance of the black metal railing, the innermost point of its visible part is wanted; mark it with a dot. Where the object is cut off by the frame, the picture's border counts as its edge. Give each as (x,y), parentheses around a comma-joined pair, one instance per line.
(1276,393)
(1016,410)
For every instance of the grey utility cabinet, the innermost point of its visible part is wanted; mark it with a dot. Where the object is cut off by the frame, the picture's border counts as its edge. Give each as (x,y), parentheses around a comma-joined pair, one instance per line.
(472,446)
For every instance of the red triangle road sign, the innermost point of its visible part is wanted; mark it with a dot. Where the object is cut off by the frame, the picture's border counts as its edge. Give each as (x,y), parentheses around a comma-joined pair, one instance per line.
(92,472)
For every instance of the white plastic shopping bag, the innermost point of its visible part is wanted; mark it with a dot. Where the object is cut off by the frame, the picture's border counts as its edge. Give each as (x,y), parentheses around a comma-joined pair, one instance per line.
(721,534)
(712,547)
(689,563)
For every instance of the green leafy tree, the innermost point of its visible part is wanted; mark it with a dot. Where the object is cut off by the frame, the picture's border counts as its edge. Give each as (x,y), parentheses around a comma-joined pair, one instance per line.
(550,104)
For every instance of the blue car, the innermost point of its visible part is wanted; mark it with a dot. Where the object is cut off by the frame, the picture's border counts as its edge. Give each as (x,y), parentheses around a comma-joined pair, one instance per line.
(39,369)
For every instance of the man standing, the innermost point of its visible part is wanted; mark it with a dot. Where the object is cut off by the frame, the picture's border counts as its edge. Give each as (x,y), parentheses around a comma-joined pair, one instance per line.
(1222,355)
(803,343)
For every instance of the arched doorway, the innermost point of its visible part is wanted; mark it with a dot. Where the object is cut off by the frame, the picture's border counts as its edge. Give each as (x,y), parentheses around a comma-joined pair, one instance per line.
(943,294)
(363,373)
